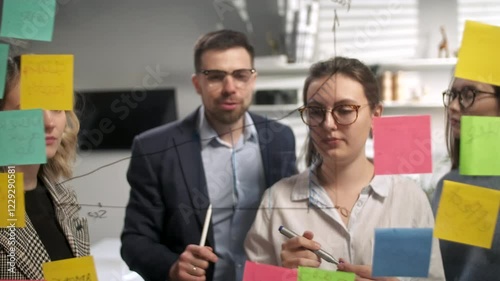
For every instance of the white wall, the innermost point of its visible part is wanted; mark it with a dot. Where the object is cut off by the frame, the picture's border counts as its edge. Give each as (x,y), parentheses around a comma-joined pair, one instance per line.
(117,43)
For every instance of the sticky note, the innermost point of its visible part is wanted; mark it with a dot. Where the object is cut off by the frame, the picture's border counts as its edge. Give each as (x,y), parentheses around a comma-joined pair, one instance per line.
(467,214)
(315,274)
(47,82)
(28,19)
(479,149)
(484,39)
(402,145)
(403,252)
(12,211)
(81,268)
(22,140)
(4,54)
(265,272)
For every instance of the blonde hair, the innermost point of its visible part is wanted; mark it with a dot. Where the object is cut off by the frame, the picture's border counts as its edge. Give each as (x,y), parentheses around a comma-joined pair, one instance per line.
(61,165)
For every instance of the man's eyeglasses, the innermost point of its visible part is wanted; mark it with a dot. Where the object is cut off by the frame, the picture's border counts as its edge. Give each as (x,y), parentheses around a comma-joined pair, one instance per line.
(344,114)
(466,96)
(240,76)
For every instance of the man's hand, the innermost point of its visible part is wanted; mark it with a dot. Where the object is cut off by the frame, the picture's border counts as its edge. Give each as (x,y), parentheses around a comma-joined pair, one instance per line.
(192,264)
(296,251)
(363,272)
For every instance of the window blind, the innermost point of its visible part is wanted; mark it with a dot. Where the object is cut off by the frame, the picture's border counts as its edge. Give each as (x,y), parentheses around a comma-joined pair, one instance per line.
(370,30)
(485,11)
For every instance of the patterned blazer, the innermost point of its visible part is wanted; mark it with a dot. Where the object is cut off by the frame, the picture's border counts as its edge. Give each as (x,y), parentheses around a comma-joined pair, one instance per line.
(30,252)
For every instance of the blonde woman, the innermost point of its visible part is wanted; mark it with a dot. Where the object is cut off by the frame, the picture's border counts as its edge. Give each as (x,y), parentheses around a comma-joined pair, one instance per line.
(53,231)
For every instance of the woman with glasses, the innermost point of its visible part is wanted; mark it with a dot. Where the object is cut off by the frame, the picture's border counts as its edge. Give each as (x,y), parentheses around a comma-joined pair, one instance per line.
(338,202)
(463,262)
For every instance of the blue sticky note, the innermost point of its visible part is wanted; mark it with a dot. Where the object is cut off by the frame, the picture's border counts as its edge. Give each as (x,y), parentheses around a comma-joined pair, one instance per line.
(28,19)
(22,140)
(4,55)
(402,252)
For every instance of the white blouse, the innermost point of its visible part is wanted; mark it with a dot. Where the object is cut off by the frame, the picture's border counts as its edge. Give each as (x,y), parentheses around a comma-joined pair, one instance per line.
(299,204)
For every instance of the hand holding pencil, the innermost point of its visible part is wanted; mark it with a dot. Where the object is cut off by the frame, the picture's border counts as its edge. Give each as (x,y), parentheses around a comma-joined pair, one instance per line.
(195,259)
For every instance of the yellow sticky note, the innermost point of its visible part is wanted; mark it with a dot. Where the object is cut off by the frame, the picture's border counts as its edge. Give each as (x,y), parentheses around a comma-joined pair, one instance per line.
(12,211)
(47,82)
(82,268)
(467,214)
(478,56)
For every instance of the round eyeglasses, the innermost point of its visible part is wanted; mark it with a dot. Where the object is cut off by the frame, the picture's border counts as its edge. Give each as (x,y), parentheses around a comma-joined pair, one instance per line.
(344,114)
(466,96)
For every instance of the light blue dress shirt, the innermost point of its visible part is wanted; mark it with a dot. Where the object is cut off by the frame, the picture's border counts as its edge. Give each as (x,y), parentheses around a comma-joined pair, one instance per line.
(235,180)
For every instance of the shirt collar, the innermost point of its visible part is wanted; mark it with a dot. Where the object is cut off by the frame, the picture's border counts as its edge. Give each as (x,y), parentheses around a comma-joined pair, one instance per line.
(208,135)
(306,186)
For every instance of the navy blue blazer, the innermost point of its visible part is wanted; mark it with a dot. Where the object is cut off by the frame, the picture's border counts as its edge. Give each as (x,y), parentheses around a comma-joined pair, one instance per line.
(169,198)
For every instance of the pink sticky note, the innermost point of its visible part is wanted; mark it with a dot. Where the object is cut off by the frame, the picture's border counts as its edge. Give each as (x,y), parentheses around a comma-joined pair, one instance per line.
(402,145)
(264,272)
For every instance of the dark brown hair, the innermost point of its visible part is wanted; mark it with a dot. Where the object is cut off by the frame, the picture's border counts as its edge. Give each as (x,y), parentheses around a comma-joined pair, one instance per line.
(351,68)
(452,143)
(220,40)
(11,77)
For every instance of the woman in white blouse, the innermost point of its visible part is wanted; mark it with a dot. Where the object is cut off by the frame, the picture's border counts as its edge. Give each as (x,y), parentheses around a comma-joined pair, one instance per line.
(338,200)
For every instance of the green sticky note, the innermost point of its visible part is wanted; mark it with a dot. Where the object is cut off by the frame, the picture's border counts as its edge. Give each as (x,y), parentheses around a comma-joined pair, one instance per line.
(479,149)
(4,55)
(22,140)
(314,274)
(28,19)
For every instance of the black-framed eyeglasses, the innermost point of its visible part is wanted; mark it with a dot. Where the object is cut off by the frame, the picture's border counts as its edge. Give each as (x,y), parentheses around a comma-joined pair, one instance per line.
(466,96)
(344,114)
(218,76)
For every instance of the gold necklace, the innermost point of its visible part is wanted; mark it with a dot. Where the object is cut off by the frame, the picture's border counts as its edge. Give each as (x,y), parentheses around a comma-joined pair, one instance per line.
(343,210)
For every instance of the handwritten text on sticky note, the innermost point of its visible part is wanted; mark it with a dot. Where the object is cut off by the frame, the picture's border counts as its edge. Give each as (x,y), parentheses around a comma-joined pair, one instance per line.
(402,145)
(479,149)
(28,19)
(264,272)
(314,274)
(484,39)
(12,211)
(467,214)
(22,138)
(47,82)
(402,252)
(82,268)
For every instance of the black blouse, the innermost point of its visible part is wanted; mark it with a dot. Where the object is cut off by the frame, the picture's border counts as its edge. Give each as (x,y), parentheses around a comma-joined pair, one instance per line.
(40,210)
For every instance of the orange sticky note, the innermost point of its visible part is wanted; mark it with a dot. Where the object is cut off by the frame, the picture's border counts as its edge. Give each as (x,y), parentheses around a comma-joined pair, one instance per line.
(402,145)
(47,82)
(265,272)
(12,211)
(478,56)
(467,214)
(82,268)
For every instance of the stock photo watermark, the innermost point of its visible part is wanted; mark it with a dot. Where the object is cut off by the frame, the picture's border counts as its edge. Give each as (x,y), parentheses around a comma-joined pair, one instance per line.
(11,218)
(122,107)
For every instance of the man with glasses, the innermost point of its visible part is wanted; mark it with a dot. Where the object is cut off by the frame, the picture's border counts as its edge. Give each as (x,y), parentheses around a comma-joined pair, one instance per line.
(220,155)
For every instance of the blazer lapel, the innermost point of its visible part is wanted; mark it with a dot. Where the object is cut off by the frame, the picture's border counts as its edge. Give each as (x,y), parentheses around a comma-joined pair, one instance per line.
(188,148)
(29,250)
(66,209)
(261,124)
